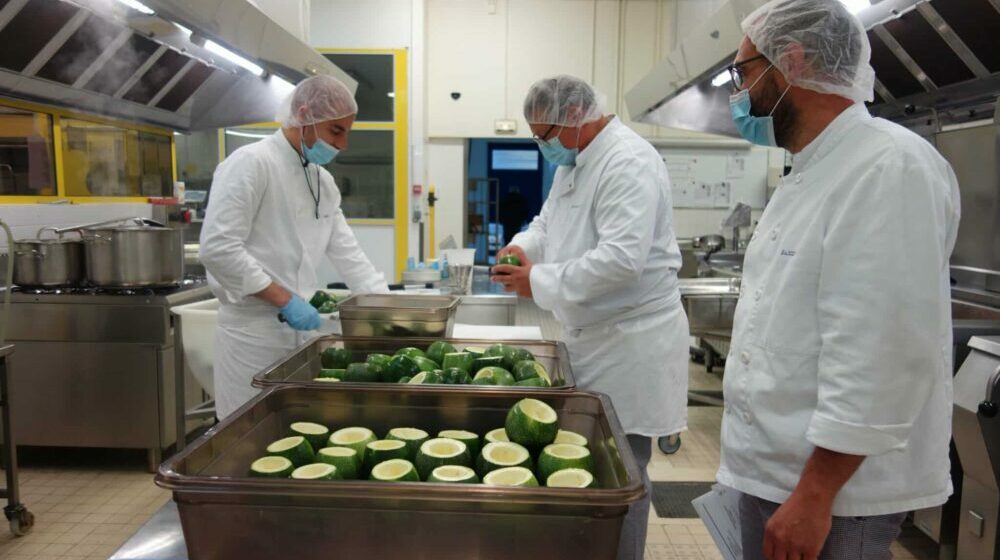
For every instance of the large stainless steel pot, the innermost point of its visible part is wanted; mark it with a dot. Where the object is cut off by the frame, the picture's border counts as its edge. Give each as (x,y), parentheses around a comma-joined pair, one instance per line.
(48,263)
(141,253)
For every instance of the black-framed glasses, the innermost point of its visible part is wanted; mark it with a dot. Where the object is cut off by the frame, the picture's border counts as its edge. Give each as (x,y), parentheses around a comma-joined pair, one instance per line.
(544,137)
(736,71)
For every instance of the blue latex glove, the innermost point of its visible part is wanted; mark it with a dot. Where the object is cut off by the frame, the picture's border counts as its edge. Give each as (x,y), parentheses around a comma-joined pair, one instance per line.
(300,315)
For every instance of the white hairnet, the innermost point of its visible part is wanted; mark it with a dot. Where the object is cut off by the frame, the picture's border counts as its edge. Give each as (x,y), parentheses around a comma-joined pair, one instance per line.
(563,101)
(315,100)
(834,45)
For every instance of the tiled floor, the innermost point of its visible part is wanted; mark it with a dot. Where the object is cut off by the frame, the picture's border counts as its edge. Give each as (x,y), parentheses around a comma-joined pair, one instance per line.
(89,511)
(82,512)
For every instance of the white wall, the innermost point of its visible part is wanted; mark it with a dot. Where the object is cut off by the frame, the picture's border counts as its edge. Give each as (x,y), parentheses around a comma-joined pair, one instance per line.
(25,219)
(354,24)
(374,240)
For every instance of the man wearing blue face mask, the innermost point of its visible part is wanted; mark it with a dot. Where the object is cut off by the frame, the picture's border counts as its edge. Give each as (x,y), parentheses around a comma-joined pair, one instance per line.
(274,215)
(602,256)
(829,443)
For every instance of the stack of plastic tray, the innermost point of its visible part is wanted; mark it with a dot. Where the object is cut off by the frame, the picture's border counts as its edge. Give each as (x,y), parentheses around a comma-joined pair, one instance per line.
(302,366)
(397,315)
(225,514)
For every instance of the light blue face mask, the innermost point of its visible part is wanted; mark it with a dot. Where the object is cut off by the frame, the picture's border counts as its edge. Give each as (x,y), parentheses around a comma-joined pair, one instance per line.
(556,153)
(320,152)
(757,130)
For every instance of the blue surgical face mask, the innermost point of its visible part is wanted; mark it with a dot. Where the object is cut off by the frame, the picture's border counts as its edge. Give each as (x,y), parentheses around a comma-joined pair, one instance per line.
(320,152)
(758,130)
(556,153)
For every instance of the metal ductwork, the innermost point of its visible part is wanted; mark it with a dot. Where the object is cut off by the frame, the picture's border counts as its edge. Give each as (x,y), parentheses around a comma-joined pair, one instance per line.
(164,68)
(936,62)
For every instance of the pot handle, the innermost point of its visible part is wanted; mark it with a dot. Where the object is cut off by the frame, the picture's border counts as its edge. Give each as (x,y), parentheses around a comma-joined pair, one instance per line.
(59,233)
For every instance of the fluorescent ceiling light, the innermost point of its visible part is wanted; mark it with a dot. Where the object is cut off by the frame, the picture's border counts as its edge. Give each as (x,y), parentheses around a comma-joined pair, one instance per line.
(391,94)
(138,6)
(856,6)
(246,134)
(722,79)
(183,29)
(236,59)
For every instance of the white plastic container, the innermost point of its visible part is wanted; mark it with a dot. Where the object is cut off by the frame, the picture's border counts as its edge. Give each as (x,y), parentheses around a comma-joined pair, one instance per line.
(198,322)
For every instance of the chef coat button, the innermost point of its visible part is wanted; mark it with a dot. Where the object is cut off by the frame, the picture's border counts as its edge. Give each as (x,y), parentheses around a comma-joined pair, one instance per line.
(758,295)
(774,235)
(798,178)
(745,358)
(747,417)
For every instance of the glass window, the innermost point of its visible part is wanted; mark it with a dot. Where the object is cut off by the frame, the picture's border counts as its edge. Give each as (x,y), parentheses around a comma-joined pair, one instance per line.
(365,174)
(376,92)
(26,161)
(238,137)
(197,158)
(105,160)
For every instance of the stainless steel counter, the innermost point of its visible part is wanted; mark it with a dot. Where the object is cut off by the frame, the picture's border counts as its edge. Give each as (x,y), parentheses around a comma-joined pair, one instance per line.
(161,538)
(96,369)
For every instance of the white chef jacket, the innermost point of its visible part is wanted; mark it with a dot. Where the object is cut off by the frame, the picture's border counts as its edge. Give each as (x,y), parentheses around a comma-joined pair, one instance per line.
(842,336)
(260,227)
(606,263)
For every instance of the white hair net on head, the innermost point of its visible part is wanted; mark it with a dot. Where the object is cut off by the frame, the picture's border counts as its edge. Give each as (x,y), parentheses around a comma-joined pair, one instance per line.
(563,101)
(835,49)
(315,100)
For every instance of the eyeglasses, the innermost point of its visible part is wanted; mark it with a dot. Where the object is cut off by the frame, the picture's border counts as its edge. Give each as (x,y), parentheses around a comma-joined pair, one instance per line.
(736,71)
(544,137)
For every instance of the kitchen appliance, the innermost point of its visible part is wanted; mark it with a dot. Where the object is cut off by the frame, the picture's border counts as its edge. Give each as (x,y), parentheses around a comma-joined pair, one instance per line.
(976,426)
(96,366)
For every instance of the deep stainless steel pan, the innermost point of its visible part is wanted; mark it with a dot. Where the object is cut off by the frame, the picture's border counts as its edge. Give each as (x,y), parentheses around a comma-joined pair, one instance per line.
(226,515)
(141,253)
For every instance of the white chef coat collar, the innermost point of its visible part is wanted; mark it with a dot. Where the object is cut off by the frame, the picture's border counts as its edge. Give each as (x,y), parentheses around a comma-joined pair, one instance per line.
(830,137)
(604,139)
(287,151)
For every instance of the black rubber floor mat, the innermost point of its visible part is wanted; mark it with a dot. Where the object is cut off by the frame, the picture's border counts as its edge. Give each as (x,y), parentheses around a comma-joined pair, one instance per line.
(673,499)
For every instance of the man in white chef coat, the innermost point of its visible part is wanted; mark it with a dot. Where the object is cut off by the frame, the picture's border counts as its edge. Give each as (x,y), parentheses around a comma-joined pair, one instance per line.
(838,383)
(603,258)
(274,215)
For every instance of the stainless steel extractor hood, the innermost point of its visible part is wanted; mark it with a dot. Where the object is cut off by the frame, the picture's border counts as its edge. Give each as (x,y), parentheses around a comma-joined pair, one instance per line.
(934,60)
(181,64)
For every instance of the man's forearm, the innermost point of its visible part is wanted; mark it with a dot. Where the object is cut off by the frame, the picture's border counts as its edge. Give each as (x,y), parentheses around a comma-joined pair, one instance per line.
(825,473)
(275,295)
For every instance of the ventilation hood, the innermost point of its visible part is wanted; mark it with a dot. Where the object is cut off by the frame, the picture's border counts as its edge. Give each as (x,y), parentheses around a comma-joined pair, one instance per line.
(936,62)
(180,64)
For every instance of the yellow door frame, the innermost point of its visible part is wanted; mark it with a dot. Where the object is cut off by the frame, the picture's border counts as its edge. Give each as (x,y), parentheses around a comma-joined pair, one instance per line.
(400,125)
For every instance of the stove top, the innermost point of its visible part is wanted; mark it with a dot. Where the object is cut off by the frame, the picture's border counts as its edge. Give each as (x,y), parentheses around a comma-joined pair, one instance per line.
(85,291)
(186,284)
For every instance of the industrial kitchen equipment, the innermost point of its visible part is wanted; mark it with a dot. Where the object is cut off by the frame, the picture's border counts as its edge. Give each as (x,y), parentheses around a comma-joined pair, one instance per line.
(96,366)
(976,426)
(20,519)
